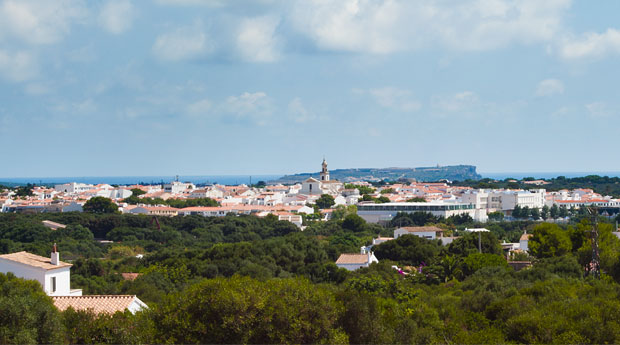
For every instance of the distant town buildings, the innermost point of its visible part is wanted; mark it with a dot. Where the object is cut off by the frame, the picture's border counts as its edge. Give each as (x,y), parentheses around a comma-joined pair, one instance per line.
(290,202)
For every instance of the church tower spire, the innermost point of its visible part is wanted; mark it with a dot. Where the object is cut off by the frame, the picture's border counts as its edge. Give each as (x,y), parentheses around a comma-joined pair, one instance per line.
(324,171)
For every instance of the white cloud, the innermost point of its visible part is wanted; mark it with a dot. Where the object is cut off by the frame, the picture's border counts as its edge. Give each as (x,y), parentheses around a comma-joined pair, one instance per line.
(38,89)
(600,110)
(199,108)
(386,26)
(462,102)
(256,40)
(214,3)
(591,45)
(298,112)
(117,16)
(549,87)
(39,21)
(185,43)
(251,106)
(20,66)
(393,98)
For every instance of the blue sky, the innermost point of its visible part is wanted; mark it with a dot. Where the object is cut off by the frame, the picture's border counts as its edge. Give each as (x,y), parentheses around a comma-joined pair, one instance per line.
(206,87)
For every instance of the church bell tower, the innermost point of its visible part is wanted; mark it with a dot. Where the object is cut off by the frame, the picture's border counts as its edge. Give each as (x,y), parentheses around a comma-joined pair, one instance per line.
(324,171)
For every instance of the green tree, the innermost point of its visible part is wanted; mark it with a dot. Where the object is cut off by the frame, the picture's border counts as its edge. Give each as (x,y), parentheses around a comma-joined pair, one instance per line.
(416,199)
(517,212)
(27,315)
(246,311)
(496,216)
(354,223)
(387,191)
(325,201)
(563,212)
(382,200)
(544,212)
(535,213)
(476,261)
(100,204)
(549,240)
(408,250)
(137,192)
(554,211)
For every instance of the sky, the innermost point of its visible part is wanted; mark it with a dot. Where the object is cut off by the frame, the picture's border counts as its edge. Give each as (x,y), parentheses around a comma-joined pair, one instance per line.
(216,87)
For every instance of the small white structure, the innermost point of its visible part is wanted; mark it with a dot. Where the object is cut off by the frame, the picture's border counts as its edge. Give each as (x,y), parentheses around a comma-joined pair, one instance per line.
(176,187)
(429,232)
(380,240)
(353,262)
(53,274)
(524,240)
(53,225)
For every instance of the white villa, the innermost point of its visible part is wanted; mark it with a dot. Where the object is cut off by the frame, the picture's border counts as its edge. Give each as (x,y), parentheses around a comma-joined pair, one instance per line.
(353,262)
(53,274)
(55,278)
(429,232)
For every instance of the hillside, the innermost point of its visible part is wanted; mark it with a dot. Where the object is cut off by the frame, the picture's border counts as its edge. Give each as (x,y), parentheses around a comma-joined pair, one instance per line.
(427,174)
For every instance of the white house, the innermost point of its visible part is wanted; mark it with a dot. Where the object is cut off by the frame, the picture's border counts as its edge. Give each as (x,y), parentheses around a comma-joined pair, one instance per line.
(176,187)
(353,262)
(429,232)
(55,277)
(53,274)
(73,187)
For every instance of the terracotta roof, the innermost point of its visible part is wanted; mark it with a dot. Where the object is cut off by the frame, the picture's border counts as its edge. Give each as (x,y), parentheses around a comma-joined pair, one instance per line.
(525,237)
(421,228)
(34,260)
(51,224)
(109,304)
(352,259)
(130,276)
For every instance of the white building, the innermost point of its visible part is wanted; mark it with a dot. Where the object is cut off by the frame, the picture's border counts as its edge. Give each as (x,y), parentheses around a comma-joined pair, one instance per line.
(353,262)
(375,213)
(324,185)
(504,200)
(73,187)
(380,240)
(176,187)
(428,232)
(524,241)
(51,273)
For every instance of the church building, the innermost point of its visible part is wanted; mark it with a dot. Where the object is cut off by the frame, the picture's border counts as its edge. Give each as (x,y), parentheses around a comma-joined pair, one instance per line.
(324,185)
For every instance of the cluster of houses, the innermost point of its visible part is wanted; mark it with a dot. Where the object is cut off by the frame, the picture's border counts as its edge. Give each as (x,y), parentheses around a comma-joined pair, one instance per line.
(291,201)
(354,261)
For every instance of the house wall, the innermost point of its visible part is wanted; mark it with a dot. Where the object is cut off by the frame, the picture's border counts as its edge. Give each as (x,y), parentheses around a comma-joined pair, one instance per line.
(22,271)
(425,234)
(44,277)
(63,281)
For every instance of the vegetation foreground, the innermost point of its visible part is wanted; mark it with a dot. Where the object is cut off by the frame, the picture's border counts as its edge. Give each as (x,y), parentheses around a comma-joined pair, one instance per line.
(257,280)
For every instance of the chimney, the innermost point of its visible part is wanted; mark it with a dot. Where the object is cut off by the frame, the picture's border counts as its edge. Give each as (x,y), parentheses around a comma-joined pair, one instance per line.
(55,256)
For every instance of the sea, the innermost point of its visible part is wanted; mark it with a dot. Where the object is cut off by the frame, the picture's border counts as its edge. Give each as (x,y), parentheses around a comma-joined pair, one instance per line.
(546,175)
(131,180)
(248,179)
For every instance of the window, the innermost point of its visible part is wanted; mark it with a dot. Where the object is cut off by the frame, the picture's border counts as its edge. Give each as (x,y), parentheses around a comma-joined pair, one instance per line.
(53,284)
